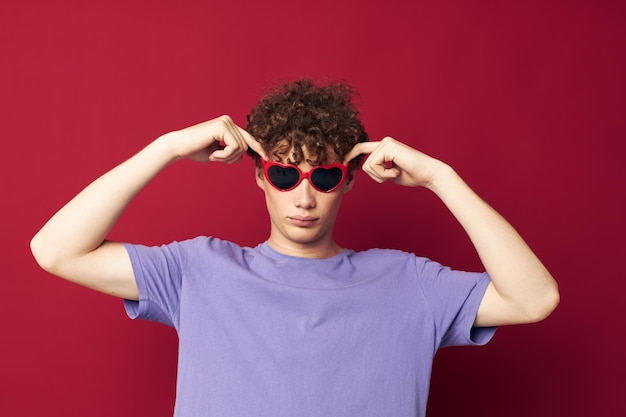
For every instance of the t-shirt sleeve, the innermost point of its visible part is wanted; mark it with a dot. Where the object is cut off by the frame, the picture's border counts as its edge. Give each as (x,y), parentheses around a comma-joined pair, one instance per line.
(454,297)
(158,273)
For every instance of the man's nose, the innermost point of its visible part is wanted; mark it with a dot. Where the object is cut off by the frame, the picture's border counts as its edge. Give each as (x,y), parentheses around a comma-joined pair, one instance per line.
(304,194)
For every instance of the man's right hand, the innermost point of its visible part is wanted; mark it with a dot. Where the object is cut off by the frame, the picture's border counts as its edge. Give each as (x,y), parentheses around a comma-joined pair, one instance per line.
(216,140)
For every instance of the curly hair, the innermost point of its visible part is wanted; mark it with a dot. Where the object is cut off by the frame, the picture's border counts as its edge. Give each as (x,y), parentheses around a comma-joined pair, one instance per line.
(302,114)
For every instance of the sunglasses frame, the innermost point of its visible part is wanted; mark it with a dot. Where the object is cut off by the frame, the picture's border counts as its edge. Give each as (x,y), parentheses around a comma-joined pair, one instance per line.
(303,175)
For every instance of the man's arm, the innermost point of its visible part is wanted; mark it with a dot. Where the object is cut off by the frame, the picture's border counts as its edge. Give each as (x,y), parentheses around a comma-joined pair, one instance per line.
(521,289)
(72,243)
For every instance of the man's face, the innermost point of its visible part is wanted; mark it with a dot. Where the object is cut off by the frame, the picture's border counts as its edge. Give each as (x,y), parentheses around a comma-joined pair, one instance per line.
(303,218)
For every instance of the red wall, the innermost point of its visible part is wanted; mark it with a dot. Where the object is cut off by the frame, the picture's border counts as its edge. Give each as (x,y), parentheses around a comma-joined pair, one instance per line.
(525,99)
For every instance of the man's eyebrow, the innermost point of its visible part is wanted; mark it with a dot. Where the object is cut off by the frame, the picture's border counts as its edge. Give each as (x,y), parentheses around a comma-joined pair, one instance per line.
(278,158)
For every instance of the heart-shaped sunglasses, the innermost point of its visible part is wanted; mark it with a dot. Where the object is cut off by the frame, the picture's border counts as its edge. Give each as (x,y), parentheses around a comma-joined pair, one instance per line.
(324,178)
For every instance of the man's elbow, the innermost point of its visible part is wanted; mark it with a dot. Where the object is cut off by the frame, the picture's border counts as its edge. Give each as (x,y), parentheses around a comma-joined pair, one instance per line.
(544,305)
(44,255)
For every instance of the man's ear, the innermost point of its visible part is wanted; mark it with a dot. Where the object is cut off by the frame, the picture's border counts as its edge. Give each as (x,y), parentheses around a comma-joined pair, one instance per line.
(259,177)
(349,182)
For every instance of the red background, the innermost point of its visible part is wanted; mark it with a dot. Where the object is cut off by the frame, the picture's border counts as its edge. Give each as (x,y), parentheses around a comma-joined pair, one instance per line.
(525,99)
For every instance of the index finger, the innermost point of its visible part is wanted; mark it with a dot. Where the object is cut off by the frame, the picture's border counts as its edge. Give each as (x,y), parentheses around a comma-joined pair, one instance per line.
(360,149)
(253,144)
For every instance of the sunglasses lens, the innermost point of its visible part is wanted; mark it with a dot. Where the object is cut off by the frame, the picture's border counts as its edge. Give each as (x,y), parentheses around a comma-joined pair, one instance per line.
(326,179)
(283,177)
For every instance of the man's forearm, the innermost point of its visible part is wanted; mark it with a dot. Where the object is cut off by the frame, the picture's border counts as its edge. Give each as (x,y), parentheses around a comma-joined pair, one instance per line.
(520,279)
(83,223)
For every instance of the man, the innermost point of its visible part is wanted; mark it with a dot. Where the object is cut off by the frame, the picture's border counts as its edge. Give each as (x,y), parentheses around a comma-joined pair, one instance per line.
(299,325)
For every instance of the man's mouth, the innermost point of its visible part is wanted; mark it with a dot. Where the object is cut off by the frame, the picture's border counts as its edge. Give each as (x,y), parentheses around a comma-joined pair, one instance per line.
(303,221)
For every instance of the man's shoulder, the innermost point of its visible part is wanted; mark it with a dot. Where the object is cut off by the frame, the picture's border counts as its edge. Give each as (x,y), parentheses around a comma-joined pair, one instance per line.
(195,247)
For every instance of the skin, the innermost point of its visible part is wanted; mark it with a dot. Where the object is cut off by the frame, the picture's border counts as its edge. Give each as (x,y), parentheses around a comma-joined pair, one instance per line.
(302,219)
(521,289)
(73,245)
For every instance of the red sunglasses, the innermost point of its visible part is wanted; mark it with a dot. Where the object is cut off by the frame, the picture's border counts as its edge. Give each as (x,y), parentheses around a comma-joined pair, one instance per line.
(324,178)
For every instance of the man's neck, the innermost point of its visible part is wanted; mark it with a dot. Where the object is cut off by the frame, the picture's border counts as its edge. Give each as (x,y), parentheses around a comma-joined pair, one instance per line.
(308,250)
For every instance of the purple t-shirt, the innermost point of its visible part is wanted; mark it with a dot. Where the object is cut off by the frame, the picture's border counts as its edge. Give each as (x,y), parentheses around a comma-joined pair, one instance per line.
(266,334)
